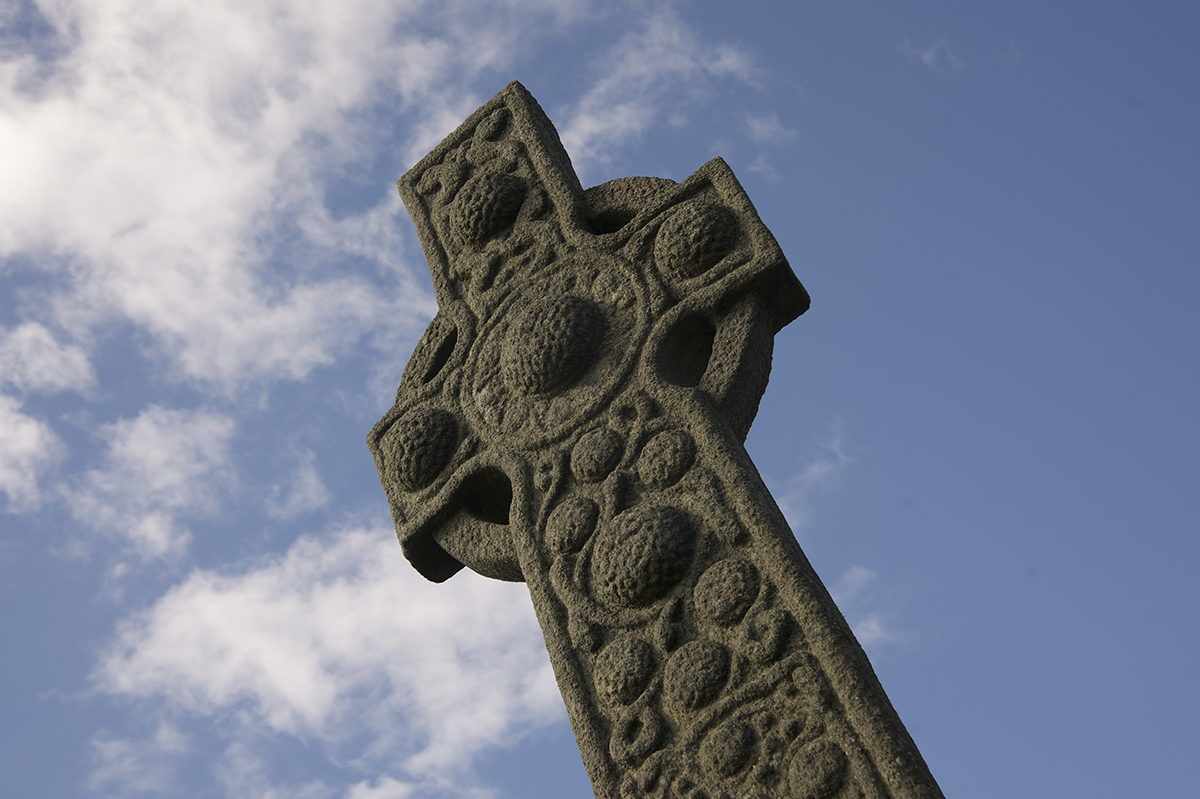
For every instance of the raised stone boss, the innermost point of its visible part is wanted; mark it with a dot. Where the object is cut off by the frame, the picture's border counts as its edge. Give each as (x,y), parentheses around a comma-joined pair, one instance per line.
(573,418)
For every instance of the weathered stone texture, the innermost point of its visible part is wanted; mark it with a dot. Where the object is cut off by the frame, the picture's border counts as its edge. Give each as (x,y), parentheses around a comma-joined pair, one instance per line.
(574,417)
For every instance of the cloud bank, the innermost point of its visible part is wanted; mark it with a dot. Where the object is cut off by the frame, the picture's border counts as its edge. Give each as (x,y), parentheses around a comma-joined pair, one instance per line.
(335,642)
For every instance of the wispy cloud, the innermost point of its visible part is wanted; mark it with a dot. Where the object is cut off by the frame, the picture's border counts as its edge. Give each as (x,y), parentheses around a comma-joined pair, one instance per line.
(31,359)
(136,766)
(337,638)
(873,630)
(383,788)
(241,772)
(854,598)
(158,466)
(937,56)
(305,493)
(852,591)
(821,473)
(1011,56)
(28,448)
(158,152)
(649,75)
(851,584)
(767,129)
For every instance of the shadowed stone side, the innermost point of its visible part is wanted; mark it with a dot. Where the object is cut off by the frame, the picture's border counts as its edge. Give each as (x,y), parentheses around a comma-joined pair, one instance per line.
(574,418)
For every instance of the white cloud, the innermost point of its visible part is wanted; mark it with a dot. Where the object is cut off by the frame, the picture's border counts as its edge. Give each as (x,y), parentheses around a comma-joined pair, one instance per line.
(850,592)
(762,165)
(767,129)
(338,638)
(851,584)
(28,448)
(244,775)
(820,474)
(937,56)
(166,141)
(646,75)
(32,360)
(872,630)
(136,766)
(159,466)
(384,788)
(306,493)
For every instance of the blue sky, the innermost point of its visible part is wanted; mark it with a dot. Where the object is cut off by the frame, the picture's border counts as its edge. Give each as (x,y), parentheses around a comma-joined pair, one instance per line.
(983,433)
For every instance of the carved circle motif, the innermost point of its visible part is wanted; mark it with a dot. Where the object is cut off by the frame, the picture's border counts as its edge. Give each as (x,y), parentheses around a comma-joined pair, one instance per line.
(642,553)
(571,524)
(418,446)
(726,591)
(696,673)
(526,386)
(818,770)
(727,748)
(666,458)
(486,205)
(596,454)
(636,735)
(552,344)
(695,238)
(623,670)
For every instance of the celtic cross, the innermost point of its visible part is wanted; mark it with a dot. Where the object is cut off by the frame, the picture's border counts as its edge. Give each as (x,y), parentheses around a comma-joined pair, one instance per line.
(573,418)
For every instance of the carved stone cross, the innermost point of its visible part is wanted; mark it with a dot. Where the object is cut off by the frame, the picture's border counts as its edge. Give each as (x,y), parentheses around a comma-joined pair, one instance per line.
(574,416)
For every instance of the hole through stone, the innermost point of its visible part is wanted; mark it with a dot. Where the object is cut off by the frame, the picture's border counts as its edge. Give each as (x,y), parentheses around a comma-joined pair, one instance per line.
(444,351)
(683,357)
(487,495)
(611,220)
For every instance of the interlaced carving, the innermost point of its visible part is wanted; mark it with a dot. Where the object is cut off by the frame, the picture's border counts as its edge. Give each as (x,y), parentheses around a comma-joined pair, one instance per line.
(573,417)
